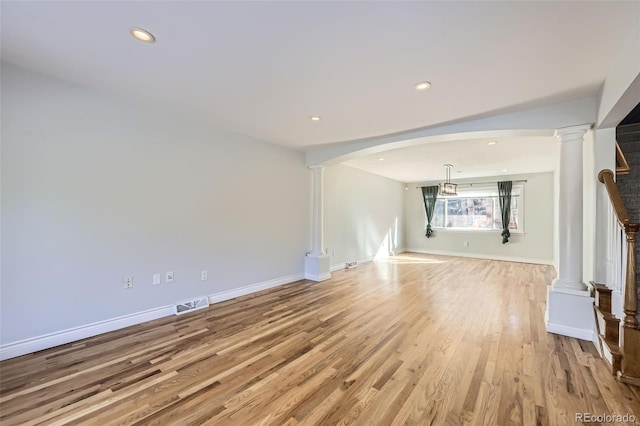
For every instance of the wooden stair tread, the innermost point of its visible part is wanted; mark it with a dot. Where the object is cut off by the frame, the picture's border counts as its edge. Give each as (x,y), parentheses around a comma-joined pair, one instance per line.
(612,346)
(608,316)
(615,363)
(603,297)
(600,287)
(608,330)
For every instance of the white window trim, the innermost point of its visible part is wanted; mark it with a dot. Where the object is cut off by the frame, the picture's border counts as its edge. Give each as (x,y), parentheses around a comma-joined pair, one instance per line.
(491,189)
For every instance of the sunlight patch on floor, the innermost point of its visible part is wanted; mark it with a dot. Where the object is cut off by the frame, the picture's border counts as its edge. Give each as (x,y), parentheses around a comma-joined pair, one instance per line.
(407,260)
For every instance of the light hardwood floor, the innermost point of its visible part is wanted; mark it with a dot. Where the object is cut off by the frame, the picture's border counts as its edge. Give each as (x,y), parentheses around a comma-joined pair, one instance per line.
(417,339)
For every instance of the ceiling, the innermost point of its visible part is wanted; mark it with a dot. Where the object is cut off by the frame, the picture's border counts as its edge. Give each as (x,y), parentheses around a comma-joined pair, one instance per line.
(470,159)
(263,68)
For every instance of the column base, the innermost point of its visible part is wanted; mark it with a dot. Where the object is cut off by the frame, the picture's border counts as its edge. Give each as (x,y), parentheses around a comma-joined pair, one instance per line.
(569,287)
(317,268)
(570,313)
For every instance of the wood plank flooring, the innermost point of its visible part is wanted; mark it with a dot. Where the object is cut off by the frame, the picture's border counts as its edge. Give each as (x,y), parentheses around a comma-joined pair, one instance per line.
(417,339)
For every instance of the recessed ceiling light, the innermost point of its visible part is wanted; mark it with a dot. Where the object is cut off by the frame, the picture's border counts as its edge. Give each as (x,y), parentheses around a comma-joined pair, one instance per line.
(505,170)
(314,118)
(423,85)
(143,35)
(492,143)
(380,159)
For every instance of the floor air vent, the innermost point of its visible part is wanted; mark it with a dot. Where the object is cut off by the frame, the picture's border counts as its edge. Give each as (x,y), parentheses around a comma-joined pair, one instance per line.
(192,305)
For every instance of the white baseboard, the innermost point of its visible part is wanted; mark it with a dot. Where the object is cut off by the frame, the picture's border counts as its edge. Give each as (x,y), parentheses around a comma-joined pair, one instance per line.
(578,333)
(485,256)
(253,288)
(317,278)
(46,341)
(339,266)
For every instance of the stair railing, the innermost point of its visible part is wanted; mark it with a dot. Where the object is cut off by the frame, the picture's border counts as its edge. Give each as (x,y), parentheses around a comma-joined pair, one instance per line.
(631,231)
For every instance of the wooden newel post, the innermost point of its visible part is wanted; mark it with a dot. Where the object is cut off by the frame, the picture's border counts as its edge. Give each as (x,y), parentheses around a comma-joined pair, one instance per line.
(630,290)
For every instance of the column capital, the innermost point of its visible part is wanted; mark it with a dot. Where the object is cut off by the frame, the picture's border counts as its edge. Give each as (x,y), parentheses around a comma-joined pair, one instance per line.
(316,167)
(565,134)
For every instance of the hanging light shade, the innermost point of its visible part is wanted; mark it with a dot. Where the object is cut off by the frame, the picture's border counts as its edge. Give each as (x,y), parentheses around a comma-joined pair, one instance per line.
(448,188)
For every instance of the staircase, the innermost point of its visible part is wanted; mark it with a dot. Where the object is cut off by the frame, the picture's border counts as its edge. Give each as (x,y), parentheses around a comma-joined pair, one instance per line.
(608,328)
(621,339)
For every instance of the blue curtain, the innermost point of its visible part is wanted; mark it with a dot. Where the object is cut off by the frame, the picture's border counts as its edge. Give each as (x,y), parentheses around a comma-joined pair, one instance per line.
(504,194)
(429,194)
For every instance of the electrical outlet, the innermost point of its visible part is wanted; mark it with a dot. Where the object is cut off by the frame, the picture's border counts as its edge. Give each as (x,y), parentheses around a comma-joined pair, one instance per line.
(128,282)
(156,279)
(169,277)
(203,275)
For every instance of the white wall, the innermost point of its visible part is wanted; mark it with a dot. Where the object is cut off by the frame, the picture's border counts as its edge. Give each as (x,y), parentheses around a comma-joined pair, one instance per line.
(621,90)
(536,245)
(363,215)
(95,189)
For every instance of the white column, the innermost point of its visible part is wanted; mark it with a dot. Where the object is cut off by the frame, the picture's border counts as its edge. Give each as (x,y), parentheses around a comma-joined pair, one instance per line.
(569,302)
(570,209)
(317,243)
(316,263)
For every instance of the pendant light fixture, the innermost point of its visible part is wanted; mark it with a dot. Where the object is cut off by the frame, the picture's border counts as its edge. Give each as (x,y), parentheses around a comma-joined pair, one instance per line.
(448,188)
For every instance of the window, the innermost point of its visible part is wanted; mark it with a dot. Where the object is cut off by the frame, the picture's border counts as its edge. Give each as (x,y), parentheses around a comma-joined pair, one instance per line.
(478,209)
